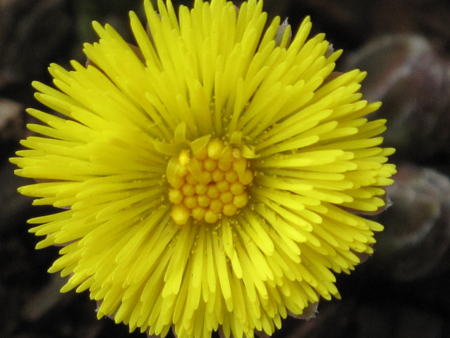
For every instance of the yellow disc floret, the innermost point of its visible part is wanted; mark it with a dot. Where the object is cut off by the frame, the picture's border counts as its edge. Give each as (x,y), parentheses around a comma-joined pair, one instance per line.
(209,183)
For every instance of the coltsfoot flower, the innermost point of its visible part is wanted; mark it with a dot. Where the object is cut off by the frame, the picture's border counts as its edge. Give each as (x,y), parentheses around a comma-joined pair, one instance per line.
(211,176)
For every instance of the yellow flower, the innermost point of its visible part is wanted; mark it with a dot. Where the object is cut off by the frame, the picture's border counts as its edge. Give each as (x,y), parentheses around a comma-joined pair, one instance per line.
(211,175)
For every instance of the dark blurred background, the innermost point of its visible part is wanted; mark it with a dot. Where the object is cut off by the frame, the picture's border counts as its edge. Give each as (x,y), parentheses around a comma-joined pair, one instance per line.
(401,292)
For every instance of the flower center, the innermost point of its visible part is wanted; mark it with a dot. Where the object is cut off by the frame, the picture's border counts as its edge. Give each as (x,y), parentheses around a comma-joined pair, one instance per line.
(209,183)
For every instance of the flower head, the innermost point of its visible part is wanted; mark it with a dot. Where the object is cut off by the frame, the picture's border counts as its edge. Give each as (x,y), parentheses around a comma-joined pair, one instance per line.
(211,175)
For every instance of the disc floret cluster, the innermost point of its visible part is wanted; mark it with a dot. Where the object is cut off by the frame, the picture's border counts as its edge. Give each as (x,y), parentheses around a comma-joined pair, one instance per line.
(209,183)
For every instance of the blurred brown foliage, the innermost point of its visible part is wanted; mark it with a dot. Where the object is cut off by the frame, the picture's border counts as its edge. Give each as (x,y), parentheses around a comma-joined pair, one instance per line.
(402,292)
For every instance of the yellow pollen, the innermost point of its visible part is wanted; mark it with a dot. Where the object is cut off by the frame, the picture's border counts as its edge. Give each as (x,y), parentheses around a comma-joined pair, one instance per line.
(231,176)
(188,190)
(190,179)
(229,209)
(223,186)
(211,216)
(224,165)
(209,164)
(180,214)
(198,213)
(237,188)
(216,205)
(175,196)
(184,157)
(240,200)
(209,183)
(177,182)
(205,177)
(215,148)
(213,192)
(190,202)
(201,189)
(203,201)
(201,154)
(226,197)
(217,175)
